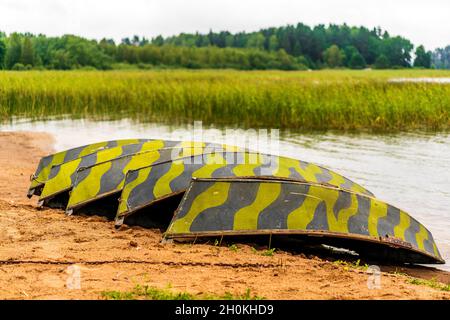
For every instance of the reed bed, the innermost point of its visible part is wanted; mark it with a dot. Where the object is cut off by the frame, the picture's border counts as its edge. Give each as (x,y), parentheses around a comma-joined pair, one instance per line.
(316,100)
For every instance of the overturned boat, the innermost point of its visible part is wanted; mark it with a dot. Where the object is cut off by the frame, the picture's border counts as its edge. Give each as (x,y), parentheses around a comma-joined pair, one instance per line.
(46,163)
(230,191)
(256,206)
(98,181)
(63,176)
(147,185)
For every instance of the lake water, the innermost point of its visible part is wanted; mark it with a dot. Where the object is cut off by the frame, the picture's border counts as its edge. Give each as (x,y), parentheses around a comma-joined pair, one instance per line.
(422,80)
(410,171)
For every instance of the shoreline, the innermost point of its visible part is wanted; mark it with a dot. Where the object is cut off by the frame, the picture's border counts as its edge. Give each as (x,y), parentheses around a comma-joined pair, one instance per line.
(40,245)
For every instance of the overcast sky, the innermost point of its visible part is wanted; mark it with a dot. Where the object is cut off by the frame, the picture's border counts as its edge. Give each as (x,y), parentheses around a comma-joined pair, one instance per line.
(422,21)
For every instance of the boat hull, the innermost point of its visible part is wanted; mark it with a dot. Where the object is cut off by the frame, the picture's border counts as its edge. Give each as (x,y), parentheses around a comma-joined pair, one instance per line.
(107,178)
(145,186)
(237,207)
(46,163)
(63,176)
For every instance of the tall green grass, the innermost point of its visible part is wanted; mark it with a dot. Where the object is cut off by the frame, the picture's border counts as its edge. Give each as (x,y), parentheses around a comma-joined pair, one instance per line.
(341,100)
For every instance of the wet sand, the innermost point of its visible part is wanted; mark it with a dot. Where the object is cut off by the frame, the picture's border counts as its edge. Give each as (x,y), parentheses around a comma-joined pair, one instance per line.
(37,247)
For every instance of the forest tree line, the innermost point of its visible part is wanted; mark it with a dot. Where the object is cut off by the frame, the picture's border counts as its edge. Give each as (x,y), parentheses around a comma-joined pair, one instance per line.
(286,48)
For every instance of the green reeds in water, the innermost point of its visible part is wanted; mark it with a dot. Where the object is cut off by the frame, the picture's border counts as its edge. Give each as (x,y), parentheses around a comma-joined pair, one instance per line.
(317,100)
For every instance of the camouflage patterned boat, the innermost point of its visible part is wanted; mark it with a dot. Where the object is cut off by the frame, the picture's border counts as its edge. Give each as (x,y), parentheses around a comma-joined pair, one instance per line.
(146,185)
(232,192)
(107,178)
(46,163)
(244,207)
(62,176)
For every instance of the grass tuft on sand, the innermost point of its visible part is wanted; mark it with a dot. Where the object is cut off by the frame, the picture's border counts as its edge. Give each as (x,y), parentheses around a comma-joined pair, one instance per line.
(145,292)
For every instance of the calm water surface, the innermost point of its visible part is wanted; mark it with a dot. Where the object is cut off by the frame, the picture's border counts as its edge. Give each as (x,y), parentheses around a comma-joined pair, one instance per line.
(423,80)
(410,171)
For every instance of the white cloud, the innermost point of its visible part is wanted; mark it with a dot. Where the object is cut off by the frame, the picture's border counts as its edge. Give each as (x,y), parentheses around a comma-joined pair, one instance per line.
(424,22)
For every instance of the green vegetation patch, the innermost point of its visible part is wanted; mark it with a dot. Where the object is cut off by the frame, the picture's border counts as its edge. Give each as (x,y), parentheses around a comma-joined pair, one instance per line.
(286,48)
(433,283)
(152,293)
(266,253)
(319,100)
(351,264)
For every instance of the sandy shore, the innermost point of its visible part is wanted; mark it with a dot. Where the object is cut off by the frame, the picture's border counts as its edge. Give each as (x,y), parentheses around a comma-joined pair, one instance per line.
(38,246)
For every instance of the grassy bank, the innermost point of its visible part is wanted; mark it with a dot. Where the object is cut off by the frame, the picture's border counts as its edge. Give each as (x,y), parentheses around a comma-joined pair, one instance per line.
(342,100)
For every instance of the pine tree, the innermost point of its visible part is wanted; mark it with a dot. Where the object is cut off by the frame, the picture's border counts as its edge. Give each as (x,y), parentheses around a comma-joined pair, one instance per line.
(14,51)
(382,62)
(27,57)
(2,53)
(423,58)
(333,56)
(357,61)
(273,43)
